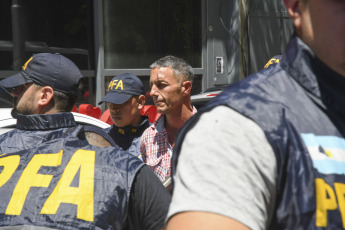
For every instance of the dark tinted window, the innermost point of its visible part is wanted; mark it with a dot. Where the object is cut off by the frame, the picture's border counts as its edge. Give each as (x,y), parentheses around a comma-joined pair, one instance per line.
(138,32)
(33,26)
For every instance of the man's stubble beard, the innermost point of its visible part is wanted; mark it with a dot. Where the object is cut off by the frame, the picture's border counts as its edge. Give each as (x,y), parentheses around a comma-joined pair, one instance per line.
(26,110)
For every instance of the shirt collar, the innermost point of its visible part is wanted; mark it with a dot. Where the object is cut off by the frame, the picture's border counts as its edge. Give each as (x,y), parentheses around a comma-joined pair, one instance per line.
(45,121)
(134,128)
(315,76)
(159,124)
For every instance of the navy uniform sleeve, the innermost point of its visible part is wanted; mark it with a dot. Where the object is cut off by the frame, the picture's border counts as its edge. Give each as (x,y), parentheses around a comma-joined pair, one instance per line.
(149,201)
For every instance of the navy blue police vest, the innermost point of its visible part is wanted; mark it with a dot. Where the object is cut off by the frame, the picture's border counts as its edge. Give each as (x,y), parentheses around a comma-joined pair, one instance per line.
(51,177)
(300,106)
(128,138)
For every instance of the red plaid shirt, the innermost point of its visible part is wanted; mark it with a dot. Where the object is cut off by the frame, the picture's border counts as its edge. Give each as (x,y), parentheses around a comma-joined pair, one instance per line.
(155,148)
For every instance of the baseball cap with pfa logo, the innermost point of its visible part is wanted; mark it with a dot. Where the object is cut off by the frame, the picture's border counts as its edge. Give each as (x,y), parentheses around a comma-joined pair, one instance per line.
(123,87)
(47,69)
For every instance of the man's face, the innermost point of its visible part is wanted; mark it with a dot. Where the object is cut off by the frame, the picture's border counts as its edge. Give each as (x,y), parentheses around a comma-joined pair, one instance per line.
(323,30)
(165,90)
(23,100)
(126,114)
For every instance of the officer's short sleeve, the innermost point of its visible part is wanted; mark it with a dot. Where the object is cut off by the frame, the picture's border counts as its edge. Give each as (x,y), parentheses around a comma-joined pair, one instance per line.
(149,201)
(226,166)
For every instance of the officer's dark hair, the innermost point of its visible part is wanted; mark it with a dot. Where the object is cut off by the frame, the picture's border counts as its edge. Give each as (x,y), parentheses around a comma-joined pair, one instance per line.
(182,70)
(63,102)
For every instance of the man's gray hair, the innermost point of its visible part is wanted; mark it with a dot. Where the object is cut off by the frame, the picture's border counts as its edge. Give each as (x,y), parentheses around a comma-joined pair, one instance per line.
(179,66)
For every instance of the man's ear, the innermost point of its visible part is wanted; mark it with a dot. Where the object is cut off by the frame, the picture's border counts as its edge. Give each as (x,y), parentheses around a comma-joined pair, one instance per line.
(141,101)
(46,94)
(293,8)
(187,87)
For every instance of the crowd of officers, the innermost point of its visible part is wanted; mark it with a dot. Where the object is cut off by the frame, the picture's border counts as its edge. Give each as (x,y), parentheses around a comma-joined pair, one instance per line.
(267,153)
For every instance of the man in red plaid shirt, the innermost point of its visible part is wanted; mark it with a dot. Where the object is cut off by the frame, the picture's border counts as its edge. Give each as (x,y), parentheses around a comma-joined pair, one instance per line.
(171,84)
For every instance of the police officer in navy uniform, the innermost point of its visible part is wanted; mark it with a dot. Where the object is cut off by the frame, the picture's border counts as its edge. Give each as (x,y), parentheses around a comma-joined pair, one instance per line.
(52,177)
(125,99)
(268,152)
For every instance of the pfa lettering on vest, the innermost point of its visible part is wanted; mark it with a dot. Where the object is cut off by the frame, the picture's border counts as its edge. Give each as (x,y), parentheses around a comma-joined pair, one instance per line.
(81,163)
